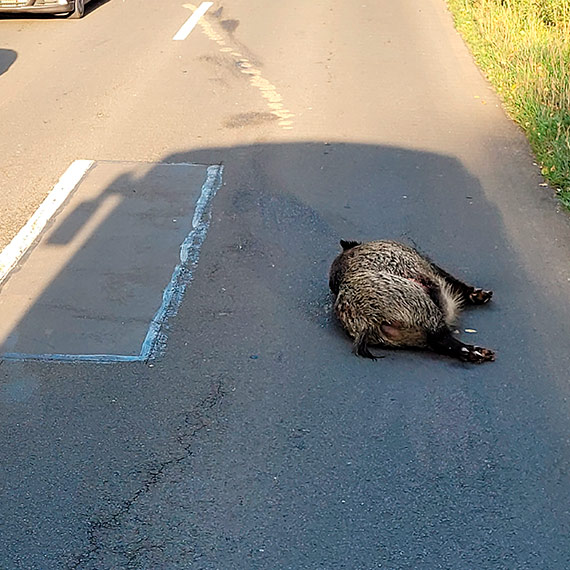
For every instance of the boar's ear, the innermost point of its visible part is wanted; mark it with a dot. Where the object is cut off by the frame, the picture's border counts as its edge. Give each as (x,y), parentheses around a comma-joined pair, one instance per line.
(346,245)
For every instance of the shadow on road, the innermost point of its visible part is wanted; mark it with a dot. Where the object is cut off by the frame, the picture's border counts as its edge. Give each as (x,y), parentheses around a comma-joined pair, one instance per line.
(7,58)
(292,203)
(259,440)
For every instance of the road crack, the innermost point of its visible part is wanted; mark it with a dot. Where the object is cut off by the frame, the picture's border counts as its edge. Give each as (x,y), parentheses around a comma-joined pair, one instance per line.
(191,424)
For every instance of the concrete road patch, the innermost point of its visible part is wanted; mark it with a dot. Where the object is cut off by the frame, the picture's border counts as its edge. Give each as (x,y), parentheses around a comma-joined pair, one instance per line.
(111,266)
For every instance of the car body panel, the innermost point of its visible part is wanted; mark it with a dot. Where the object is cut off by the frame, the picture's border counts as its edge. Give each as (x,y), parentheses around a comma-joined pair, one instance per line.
(37,6)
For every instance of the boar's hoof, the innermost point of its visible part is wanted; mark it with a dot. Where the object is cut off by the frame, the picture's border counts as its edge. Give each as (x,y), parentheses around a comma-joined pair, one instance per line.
(480,296)
(477,354)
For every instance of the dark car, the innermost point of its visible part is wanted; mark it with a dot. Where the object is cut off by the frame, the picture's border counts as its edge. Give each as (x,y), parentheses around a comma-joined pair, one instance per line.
(75,8)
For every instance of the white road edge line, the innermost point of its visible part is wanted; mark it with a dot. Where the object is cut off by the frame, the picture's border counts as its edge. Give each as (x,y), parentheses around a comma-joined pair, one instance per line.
(191,22)
(14,251)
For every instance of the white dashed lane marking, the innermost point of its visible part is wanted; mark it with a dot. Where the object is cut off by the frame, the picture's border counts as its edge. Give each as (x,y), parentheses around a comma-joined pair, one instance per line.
(191,22)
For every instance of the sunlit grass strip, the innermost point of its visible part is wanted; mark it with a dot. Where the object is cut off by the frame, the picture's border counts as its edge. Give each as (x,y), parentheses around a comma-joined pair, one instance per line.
(523,46)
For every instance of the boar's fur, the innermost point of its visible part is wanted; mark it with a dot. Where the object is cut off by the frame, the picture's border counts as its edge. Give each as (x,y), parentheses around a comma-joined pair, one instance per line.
(388,294)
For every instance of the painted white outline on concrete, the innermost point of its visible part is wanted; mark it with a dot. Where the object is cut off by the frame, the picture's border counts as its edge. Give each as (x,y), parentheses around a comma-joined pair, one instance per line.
(191,22)
(154,343)
(14,251)
(97,358)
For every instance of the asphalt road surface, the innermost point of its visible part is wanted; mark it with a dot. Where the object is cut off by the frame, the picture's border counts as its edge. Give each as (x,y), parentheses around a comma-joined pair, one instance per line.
(259,441)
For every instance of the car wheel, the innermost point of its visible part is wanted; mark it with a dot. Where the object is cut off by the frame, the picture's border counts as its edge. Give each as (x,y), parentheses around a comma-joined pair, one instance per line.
(79,10)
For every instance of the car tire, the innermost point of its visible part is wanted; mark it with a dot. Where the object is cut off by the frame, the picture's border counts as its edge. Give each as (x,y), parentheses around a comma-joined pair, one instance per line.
(78,10)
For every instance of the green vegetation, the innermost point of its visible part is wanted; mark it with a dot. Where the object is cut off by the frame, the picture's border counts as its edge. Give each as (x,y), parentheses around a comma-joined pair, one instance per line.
(523,46)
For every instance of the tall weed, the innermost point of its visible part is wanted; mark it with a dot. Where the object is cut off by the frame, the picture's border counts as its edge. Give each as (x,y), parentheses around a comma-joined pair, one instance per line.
(523,46)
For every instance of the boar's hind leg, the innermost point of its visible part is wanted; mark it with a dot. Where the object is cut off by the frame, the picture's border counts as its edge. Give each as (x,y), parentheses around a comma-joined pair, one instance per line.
(470,295)
(360,347)
(443,342)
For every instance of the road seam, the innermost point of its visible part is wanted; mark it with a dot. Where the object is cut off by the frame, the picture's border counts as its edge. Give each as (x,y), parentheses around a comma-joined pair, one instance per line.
(266,88)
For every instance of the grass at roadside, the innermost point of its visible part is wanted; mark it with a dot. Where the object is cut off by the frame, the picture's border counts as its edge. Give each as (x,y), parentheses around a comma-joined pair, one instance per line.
(523,46)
